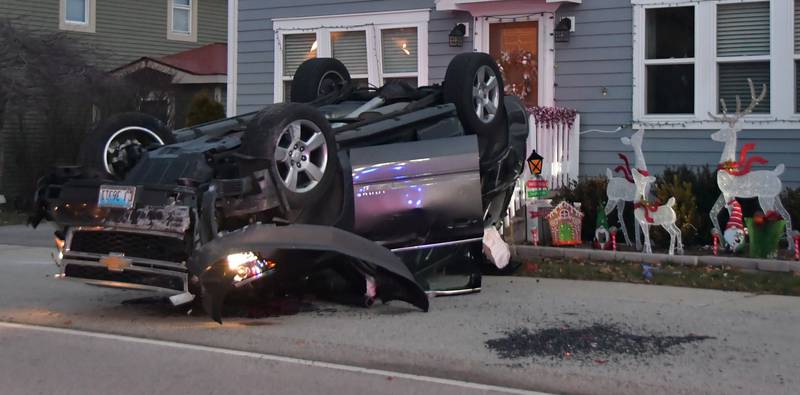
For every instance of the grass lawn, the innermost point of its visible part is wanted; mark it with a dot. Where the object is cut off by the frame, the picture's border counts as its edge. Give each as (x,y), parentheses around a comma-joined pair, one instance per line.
(712,277)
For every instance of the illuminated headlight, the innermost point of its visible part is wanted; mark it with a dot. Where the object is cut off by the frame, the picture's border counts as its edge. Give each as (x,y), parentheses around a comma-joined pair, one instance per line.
(248,266)
(59,255)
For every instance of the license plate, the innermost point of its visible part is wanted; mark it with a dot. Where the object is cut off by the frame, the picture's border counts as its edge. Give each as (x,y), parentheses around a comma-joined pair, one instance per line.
(115,196)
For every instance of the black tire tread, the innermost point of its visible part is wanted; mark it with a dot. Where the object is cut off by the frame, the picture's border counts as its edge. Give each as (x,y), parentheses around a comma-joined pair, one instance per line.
(91,151)
(307,78)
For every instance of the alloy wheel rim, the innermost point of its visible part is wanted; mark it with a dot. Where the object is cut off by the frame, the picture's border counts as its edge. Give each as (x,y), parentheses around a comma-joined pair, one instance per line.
(116,149)
(485,94)
(330,82)
(301,155)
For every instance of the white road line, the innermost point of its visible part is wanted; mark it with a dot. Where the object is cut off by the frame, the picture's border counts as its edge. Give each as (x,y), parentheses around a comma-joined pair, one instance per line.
(276,358)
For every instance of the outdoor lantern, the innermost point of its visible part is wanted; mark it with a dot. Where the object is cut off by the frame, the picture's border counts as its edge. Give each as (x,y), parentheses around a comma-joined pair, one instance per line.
(561,32)
(535,163)
(457,35)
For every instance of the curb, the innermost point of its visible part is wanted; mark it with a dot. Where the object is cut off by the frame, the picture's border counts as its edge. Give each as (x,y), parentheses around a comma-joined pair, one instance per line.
(766,265)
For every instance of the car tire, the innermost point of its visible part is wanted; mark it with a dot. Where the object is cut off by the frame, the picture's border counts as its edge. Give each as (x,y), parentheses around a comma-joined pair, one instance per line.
(473,83)
(295,142)
(108,147)
(318,77)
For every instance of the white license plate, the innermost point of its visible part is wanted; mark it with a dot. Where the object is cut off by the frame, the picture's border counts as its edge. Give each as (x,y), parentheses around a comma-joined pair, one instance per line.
(115,196)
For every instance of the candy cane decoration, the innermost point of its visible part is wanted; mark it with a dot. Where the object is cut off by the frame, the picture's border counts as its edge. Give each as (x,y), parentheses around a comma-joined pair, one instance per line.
(716,244)
(614,241)
(796,235)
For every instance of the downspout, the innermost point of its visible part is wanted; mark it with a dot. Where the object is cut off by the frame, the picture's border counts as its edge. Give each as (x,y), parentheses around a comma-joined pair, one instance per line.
(233,56)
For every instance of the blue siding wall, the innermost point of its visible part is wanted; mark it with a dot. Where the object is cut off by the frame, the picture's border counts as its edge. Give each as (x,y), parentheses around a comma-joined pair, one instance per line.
(256,38)
(600,55)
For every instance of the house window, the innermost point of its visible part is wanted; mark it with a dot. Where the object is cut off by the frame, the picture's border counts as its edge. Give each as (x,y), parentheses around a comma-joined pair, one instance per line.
(350,47)
(297,48)
(77,15)
(690,55)
(797,55)
(399,49)
(669,63)
(743,49)
(182,20)
(375,48)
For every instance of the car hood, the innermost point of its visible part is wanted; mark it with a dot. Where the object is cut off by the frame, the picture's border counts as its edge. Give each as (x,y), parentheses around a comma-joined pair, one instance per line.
(302,249)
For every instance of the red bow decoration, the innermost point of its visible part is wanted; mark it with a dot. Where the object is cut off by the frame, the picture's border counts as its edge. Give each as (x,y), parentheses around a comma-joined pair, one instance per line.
(626,169)
(744,164)
(648,208)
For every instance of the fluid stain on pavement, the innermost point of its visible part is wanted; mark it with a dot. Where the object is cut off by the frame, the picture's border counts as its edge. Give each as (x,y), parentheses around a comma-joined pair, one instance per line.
(593,342)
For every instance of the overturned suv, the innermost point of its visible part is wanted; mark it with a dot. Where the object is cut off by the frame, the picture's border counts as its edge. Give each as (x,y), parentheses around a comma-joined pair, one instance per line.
(349,192)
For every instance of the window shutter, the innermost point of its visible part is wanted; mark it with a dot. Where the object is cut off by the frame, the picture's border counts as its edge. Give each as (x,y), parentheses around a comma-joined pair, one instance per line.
(399,47)
(797,26)
(297,48)
(351,49)
(733,82)
(743,29)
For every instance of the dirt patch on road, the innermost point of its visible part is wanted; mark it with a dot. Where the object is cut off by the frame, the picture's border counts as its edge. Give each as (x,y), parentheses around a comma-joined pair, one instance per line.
(596,343)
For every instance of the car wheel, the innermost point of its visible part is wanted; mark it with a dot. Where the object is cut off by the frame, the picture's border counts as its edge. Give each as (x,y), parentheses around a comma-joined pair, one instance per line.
(318,77)
(297,144)
(116,144)
(474,84)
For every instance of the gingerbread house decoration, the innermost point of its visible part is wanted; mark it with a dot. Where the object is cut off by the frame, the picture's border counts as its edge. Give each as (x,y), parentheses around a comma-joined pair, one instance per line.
(565,224)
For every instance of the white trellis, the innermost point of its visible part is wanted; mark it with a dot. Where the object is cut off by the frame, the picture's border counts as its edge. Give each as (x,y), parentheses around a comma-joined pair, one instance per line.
(559,144)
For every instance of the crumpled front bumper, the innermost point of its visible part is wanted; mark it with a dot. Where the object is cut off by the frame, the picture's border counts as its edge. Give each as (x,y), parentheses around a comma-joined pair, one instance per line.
(297,252)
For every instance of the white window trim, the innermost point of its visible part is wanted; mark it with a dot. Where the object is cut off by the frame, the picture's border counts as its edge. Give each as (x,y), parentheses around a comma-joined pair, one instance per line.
(84,27)
(373,23)
(233,57)
(782,76)
(182,36)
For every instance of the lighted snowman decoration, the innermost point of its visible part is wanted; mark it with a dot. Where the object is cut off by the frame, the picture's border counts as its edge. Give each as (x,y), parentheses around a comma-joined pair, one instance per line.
(734,230)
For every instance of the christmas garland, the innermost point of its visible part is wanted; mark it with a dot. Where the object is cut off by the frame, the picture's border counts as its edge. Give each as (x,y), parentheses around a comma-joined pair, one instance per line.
(550,116)
(524,60)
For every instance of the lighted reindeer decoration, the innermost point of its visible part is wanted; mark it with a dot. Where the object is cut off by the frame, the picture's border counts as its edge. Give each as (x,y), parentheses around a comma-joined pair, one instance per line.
(652,213)
(735,179)
(621,190)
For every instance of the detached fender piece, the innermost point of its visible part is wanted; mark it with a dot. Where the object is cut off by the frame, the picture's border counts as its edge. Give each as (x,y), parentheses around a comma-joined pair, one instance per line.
(299,250)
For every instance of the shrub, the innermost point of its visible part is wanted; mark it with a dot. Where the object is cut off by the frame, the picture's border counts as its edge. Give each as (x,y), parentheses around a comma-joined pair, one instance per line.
(204,109)
(791,201)
(688,216)
(704,189)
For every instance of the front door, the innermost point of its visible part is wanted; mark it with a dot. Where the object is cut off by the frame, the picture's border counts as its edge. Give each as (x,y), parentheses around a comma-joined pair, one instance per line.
(515,46)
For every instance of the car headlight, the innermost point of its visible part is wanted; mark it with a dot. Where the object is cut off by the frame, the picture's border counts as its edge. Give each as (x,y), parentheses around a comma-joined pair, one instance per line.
(248,266)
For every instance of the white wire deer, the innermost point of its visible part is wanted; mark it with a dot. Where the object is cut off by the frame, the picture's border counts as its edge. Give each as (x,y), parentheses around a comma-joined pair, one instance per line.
(620,190)
(648,214)
(734,178)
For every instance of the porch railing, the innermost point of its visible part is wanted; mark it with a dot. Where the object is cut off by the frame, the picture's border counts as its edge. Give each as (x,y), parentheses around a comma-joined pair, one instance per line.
(559,145)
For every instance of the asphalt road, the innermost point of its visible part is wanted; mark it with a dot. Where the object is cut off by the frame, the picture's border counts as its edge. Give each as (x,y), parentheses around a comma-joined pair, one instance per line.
(325,348)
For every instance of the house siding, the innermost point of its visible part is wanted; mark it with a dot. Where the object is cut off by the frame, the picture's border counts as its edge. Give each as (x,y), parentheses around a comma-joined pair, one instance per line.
(256,51)
(124,32)
(600,55)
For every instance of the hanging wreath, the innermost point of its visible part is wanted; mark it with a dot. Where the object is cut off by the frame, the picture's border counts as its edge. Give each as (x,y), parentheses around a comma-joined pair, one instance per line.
(550,116)
(522,60)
